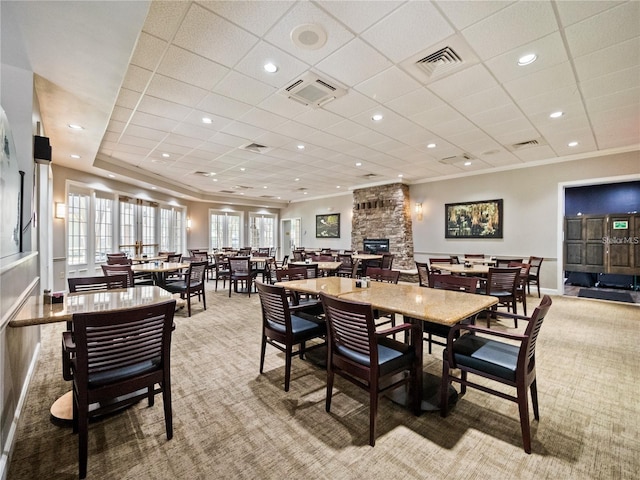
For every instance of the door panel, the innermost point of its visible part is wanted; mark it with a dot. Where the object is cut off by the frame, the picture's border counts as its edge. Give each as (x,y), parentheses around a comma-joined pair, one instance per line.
(603,244)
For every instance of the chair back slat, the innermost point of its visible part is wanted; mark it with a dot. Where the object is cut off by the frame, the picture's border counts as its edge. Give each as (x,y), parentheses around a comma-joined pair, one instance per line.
(291,273)
(502,279)
(380,274)
(454,282)
(351,326)
(196,273)
(533,329)
(240,265)
(423,273)
(275,307)
(110,270)
(87,284)
(107,342)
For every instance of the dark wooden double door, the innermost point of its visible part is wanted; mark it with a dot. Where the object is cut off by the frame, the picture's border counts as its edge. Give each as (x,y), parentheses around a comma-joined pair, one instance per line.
(602,244)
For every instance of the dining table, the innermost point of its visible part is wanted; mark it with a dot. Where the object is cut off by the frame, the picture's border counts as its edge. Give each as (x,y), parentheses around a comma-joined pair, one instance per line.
(38,311)
(324,266)
(147,258)
(461,269)
(159,270)
(415,303)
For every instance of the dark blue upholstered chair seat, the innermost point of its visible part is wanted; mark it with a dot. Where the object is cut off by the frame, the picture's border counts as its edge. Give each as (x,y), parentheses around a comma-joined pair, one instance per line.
(497,358)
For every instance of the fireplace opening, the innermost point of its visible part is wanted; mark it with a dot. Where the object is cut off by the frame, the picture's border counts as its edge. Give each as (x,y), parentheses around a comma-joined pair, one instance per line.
(376,245)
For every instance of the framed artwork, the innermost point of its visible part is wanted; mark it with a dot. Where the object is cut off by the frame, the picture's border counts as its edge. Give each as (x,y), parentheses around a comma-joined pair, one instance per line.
(481,219)
(328,226)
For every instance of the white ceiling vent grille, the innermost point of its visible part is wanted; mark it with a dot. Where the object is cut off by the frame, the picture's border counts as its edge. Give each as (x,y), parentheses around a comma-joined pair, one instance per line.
(227,191)
(536,142)
(370,176)
(465,157)
(255,148)
(438,61)
(313,91)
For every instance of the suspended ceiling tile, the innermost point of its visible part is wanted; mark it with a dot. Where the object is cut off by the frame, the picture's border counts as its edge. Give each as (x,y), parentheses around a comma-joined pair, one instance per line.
(190,68)
(515,25)
(422,19)
(289,68)
(354,62)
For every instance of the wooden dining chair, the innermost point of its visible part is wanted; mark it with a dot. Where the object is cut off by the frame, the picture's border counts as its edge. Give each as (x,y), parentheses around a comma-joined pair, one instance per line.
(456,283)
(521,287)
(433,264)
(502,283)
(299,302)
(511,363)
(191,285)
(368,358)
(534,273)
(111,270)
(378,274)
(423,273)
(127,354)
(284,329)
(86,284)
(240,272)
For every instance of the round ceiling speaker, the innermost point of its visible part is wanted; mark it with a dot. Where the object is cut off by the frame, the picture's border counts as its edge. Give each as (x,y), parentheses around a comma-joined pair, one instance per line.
(309,36)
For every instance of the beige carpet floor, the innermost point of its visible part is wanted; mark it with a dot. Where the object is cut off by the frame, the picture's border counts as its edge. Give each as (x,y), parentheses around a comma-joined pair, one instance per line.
(231,422)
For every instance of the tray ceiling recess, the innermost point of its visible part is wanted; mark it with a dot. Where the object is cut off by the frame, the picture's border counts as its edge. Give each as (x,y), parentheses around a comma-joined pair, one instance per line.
(313,91)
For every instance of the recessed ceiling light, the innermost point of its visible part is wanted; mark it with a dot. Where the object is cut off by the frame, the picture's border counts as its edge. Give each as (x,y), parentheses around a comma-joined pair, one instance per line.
(527,59)
(211,174)
(206,120)
(241,193)
(278,198)
(264,186)
(377,117)
(400,175)
(358,164)
(297,179)
(556,114)
(431,145)
(305,193)
(76,127)
(242,169)
(337,186)
(270,68)
(74,156)
(166,155)
(154,188)
(572,144)
(466,164)
(300,147)
(111,175)
(214,179)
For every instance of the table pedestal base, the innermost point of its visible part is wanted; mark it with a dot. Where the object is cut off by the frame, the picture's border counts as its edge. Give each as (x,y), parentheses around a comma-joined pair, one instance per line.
(430,394)
(62,409)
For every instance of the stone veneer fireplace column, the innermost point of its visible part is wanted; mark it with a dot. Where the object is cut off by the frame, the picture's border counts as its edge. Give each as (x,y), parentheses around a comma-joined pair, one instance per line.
(384,212)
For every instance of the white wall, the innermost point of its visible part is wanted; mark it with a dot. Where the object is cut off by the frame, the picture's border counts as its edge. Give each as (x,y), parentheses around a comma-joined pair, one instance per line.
(307,211)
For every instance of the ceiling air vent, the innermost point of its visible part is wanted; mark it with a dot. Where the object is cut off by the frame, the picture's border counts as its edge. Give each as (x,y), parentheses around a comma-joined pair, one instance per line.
(313,91)
(451,55)
(438,63)
(536,142)
(370,176)
(255,147)
(465,157)
(227,191)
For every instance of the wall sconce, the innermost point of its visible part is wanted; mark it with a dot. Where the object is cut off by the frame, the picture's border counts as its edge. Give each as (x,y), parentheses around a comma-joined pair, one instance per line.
(188,224)
(419,211)
(61,210)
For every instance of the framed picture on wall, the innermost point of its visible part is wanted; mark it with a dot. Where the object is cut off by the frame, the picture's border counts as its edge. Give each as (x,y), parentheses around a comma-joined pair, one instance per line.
(481,219)
(328,226)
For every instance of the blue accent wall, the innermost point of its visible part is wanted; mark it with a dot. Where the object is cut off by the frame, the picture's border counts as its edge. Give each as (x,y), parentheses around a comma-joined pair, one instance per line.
(603,199)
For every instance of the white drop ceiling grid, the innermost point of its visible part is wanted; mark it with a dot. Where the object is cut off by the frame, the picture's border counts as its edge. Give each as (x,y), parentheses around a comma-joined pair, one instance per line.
(197,59)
